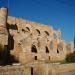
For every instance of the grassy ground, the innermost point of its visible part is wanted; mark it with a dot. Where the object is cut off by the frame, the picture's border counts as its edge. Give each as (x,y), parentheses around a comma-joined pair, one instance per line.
(60,62)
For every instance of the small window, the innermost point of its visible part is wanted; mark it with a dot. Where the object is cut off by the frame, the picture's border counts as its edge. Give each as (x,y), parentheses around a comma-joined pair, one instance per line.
(49,57)
(35,57)
(33,49)
(47,51)
(23,30)
(57,51)
(47,33)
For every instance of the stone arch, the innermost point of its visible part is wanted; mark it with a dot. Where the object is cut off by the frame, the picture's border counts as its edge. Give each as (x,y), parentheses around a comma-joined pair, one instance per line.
(28,28)
(46,32)
(33,49)
(38,31)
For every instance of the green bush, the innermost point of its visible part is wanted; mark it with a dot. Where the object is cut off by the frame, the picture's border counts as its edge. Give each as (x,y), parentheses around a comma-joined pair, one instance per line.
(70,57)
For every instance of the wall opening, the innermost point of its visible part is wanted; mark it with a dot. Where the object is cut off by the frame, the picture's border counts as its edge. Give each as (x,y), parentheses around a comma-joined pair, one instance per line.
(23,30)
(38,31)
(34,49)
(47,33)
(28,28)
(57,51)
(49,57)
(31,70)
(47,50)
(35,57)
(10,42)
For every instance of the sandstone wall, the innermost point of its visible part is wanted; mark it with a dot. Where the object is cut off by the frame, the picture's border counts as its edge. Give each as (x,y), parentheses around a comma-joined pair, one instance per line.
(38,68)
(3,35)
(42,68)
(15,70)
(3,30)
(35,41)
(28,41)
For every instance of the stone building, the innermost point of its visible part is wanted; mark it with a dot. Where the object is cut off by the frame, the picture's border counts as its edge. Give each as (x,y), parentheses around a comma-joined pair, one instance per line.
(27,41)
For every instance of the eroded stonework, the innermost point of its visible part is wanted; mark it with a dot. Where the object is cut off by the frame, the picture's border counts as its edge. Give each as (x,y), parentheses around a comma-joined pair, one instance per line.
(28,41)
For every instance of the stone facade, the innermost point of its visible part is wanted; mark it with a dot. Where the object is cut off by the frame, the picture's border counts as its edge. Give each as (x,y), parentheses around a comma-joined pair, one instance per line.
(27,41)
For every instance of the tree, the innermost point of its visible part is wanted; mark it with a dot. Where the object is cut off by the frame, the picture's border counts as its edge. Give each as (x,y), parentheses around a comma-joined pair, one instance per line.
(70,57)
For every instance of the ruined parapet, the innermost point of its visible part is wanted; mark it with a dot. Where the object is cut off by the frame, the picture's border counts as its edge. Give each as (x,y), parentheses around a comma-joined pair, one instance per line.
(69,48)
(3,22)
(3,35)
(3,17)
(57,35)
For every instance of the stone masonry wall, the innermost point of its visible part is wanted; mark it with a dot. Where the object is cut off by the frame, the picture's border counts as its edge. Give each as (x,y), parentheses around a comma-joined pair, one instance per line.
(15,70)
(3,31)
(34,41)
(27,41)
(38,68)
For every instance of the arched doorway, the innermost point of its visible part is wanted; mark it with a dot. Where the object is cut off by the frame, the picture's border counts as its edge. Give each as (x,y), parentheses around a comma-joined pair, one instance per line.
(47,50)
(34,49)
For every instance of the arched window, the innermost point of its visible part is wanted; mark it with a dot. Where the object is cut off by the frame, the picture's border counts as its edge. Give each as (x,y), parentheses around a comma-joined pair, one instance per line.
(23,30)
(35,57)
(57,51)
(47,33)
(47,51)
(34,49)
(38,31)
(28,28)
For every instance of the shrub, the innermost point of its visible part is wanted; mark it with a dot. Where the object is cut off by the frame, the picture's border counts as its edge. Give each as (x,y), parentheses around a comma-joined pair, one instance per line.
(70,57)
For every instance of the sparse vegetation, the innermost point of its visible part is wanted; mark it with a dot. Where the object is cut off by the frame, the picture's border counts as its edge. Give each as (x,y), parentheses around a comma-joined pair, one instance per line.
(71,57)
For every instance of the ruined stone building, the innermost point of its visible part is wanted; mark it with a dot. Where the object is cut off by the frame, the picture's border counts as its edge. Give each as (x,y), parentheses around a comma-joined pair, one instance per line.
(26,41)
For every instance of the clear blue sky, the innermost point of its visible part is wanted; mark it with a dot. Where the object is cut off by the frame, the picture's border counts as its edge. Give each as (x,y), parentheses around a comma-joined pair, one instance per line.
(57,13)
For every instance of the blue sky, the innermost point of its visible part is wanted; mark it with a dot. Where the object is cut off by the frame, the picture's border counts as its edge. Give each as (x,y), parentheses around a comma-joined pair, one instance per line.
(57,13)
